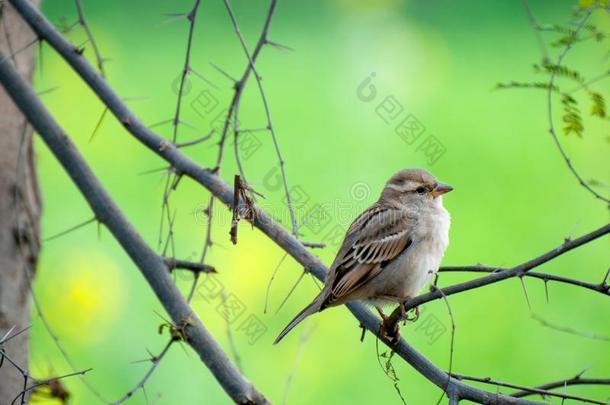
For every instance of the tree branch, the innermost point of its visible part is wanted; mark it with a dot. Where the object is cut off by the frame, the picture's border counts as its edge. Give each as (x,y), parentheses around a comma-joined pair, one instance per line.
(478,268)
(107,212)
(83,22)
(527,390)
(263,39)
(262,220)
(576,380)
(195,267)
(519,270)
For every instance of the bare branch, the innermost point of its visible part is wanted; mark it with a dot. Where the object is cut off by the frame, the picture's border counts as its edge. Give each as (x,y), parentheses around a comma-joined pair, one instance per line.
(536,28)
(477,268)
(528,390)
(571,331)
(511,272)
(83,22)
(155,360)
(150,264)
(173,264)
(192,18)
(576,380)
(263,221)
(251,60)
(195,141)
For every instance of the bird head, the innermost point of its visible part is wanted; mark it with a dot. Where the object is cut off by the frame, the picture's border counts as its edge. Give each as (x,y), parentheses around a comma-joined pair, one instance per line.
(414,187)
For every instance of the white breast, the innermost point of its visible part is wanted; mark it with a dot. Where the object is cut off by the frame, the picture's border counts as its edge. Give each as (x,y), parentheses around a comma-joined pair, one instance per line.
(425,254)
(405,276)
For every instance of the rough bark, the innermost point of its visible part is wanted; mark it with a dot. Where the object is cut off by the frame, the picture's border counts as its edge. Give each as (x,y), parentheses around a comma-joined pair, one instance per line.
(19,206)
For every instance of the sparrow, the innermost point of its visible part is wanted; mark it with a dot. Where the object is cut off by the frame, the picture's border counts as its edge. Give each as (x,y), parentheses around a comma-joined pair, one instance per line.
(391,250)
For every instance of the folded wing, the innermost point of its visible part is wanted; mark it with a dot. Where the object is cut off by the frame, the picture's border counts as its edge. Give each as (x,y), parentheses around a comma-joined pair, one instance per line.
(375,238)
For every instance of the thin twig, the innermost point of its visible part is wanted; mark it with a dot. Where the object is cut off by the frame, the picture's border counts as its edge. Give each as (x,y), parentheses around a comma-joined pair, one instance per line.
(578,379)
(195,267)
(83,22)
(294,286)
(552,131)
(107,211)
(571,331)
(192,18)
(155,360)
(195,141)
(268,290)
(522,268)
(305,336)
(477,268)
(251,60)
(488,380)
(451,346)
(39,383)
(536,28)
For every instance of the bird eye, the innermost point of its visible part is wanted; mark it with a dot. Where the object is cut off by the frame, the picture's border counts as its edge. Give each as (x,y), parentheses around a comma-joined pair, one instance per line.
(421,190)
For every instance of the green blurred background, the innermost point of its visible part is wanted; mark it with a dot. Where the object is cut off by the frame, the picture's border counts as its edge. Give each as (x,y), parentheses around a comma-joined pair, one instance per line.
(514,197)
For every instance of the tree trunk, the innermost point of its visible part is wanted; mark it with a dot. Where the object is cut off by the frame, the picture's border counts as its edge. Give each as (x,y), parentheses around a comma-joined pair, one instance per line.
(19,208)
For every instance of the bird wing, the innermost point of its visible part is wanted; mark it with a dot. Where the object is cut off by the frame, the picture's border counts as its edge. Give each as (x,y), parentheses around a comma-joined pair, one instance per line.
(376,237)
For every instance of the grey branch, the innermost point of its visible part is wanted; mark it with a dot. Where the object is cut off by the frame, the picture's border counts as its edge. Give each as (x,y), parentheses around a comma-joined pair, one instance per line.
(578,379)
(195,267)
(528,390)
(83,22)
(601,287)
(152,266)
(208,179)
(517,271)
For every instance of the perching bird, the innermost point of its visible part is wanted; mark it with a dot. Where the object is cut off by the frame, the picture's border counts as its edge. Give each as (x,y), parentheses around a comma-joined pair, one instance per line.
(391,250)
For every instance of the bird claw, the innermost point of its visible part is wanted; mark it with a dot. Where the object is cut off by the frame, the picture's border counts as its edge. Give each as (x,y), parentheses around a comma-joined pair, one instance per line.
(406,317)
(387,330)
(381,313)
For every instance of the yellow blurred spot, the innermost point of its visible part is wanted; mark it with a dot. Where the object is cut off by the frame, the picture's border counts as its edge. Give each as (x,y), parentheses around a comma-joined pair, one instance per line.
(85,298)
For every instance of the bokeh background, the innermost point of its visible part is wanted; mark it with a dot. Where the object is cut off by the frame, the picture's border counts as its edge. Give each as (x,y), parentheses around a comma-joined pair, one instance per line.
(514,197)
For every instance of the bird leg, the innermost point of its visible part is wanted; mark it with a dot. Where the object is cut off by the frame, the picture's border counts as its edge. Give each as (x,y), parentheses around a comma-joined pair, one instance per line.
(389,327)
(381,313)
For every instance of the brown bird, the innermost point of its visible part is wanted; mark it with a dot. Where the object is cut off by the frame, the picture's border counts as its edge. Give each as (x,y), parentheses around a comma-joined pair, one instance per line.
(391,250)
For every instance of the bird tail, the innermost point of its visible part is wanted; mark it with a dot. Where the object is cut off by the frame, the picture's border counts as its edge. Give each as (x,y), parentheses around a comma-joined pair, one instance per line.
(312,308)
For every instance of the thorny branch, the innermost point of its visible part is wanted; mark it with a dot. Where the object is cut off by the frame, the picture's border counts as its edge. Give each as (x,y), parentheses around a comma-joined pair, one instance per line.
(140,385)
(516,271)
(55,388)
(99,60)
(173,178)
(106,210)
(528,390)
(192,18)
(578,379)
(601,287)
(53,383)
(264,39)
(488,380)
(456,389)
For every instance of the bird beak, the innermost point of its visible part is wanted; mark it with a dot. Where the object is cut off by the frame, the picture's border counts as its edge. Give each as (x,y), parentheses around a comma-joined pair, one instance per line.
(441,188)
